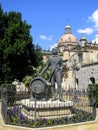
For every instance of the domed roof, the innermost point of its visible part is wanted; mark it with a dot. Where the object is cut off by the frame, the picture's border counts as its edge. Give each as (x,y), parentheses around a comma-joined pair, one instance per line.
(67,37)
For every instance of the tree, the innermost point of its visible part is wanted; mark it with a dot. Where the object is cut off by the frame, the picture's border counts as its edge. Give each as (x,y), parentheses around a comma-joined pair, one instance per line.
(18,55)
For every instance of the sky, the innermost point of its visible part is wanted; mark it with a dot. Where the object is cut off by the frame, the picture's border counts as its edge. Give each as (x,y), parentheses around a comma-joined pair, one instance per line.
(49,18)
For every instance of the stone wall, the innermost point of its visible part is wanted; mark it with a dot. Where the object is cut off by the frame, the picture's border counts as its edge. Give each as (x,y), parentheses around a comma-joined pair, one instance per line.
(84,74)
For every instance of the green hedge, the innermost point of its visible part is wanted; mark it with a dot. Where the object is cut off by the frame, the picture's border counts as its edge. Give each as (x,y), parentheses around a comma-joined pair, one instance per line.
(90,93)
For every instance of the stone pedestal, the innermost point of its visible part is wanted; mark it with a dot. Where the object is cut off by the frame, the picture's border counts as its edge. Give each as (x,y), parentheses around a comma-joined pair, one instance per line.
(46,109)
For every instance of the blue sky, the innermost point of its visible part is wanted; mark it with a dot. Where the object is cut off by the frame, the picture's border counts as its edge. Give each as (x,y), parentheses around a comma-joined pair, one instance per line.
(49,18)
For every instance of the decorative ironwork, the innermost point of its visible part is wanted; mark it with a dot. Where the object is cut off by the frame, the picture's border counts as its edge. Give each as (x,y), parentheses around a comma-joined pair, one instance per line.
(45,113)
(93,95)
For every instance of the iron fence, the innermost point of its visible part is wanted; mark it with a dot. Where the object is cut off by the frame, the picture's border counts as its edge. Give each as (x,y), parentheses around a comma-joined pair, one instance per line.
(18,109)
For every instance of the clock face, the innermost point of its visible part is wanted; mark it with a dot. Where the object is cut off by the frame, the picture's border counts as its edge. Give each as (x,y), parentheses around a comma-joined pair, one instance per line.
(37,85)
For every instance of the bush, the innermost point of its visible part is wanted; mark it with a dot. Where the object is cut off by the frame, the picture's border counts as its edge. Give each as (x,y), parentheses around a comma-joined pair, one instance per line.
(27,80)
(90,94)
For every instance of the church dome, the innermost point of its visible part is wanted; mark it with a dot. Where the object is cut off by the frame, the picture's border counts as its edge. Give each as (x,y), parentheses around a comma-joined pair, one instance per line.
(67,37)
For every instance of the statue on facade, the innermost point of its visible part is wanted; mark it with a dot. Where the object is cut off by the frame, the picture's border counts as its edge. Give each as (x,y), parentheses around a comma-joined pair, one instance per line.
(55,64)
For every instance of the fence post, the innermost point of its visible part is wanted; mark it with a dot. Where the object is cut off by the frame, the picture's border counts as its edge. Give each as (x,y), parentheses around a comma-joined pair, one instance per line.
(35,108)
(4,101)
(93,95)
(94,98)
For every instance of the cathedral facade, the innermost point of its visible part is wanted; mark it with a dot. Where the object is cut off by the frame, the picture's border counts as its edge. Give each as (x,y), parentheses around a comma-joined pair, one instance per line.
(77,52)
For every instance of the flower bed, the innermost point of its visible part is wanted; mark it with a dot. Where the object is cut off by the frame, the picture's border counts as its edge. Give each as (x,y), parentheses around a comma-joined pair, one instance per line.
(14,117)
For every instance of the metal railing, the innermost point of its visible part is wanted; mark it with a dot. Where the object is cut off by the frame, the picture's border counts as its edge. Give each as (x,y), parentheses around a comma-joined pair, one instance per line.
(17,109)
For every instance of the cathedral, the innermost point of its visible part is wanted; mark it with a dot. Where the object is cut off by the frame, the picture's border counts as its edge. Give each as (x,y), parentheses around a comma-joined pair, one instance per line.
(76,52)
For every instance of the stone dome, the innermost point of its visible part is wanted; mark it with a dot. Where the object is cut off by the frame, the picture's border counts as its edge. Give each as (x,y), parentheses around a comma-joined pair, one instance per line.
(67,37)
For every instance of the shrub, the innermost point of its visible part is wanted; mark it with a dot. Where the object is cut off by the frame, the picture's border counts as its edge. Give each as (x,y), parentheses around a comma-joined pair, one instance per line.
(90,94)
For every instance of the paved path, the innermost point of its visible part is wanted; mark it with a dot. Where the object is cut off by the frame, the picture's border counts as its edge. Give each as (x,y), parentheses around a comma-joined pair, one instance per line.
(83,126)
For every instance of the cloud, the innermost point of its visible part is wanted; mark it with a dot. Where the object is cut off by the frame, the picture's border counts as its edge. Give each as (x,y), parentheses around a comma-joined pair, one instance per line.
(53,46)
(94,19)
(96,35)
(96,39)
(86,30)
(43,37)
